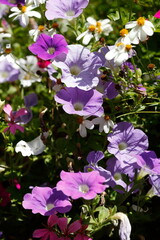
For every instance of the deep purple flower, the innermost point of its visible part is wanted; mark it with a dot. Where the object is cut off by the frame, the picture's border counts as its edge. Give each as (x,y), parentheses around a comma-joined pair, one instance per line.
(80,102)
(12,2)
(47,47)
(108,89)
(7,72)
(65,9)
(125,141)
(85,185)
(46,201)
(79,68)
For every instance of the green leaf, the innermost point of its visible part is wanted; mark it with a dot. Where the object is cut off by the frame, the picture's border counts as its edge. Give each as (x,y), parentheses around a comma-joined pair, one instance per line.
(103,214)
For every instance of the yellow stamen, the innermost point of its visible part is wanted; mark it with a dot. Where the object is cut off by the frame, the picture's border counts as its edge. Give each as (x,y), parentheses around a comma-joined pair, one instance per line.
(23,9)
(99,27)
(141,21)
(92,28)
(128,47)
(123,32)
(119,44)
(41,28)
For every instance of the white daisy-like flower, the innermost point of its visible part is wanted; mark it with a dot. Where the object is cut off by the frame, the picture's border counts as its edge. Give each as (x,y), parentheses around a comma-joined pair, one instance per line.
(141,29)
(34,147)
(124,36)
(28,70)
(40,29)
(84,124)
(22,13)
(95,29)
(120,52)
(4,34)
(105,123)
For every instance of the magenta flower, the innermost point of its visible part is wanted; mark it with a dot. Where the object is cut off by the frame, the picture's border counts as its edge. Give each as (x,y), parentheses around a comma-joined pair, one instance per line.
(67,9)
(80,102)
(47,47)
(46,201)
(47,233)
(13,118)
(77,185)
(157,14)
(4,196)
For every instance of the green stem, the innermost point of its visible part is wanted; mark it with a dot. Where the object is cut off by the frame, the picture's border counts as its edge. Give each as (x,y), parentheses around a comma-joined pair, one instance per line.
(134,65)
(141,112)
(130,12)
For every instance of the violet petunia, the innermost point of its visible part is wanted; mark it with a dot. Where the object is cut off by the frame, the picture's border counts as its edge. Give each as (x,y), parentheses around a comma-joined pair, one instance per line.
(125,141)
(65,9)
(46,201)
(80,67)
(47,47)
(85,185)
(7,72)
(80,102)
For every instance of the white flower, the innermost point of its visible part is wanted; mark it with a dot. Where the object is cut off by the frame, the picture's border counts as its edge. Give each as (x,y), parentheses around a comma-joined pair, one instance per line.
(95,28)
(3,34)
(105,123)
(23,13)
(121,52)
(34,147)
(141,29)
(125,226)
(40,29)
(28,70)
(84,123)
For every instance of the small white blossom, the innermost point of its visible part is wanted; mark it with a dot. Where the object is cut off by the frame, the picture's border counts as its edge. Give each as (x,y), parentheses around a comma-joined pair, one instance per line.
(120,52)
(84,125)
(125,226)
(34,147)
(95,28)
(22,13)
(141,29)
(105,123)
(40,29)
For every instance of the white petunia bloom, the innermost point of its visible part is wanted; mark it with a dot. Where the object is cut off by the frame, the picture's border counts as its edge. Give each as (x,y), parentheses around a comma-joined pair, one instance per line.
(95,28)
(141,29)
(22,13)
(120,52)
(105,123)
(125,226)
(34,147)
(84,125)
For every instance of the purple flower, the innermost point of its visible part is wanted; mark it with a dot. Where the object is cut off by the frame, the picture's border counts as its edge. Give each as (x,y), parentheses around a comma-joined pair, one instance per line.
(85,185)
(7,72)
(93,158)
(79,68)
(80,102)
(155,182)
(65,9)
(12,2)
(125,141)
(108,89)
(46,201)
(47,47)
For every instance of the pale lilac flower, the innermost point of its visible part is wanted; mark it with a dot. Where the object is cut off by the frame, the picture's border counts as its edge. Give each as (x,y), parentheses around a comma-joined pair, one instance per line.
(23,12)
(47,47)
(65,9)
(79,68)
(34,147)
(4,9)
(12,118)
(84,124)
(7,72)
(149,164)
(80,102)
(141,29)
(154,180)
(47,233)
(46,201)
(125,226)
(104,122)
(85,185)
(125,141)
(95,29)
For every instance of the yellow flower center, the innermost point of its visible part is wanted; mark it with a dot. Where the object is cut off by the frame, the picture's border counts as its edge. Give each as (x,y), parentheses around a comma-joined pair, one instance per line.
(141,21)
(119,44)
(123,32)
(128,47)
(92,28)
(22,8)
(41,28)
(99,27)
(106,117)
